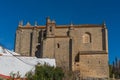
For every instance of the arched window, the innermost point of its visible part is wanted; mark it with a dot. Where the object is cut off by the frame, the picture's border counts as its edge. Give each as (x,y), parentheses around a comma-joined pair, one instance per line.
(87,38)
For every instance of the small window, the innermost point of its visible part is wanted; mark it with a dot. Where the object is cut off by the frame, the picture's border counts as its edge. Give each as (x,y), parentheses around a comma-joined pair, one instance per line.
(77,59)
(99,62)
(50,28)
(88,62)
(58,45)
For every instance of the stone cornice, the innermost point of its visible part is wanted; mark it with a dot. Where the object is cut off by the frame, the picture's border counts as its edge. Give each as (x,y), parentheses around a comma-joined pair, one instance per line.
(63,26)
(92,52)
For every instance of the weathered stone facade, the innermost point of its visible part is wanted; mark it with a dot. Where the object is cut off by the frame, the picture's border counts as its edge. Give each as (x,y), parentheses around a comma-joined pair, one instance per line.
(82,48)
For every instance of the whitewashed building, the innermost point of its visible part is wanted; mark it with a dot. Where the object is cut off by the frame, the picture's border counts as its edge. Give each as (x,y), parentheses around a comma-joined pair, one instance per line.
(13,62)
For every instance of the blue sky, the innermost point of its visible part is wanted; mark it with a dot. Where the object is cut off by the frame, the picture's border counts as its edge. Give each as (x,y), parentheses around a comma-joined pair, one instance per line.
(63,12)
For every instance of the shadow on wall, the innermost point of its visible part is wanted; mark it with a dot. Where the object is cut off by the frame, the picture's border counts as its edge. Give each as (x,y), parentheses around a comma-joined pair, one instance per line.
(37,52)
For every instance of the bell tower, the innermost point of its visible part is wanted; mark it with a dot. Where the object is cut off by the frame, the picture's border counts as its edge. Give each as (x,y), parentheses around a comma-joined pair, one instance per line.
(50,28)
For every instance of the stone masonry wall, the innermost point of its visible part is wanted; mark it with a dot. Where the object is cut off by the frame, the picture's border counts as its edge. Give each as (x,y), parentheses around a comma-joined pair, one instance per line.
(62,52)
(94,65)
(57,48)
(64,44)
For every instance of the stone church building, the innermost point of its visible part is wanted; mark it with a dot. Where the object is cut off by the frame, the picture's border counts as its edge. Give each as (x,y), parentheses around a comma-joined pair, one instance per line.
(82,48)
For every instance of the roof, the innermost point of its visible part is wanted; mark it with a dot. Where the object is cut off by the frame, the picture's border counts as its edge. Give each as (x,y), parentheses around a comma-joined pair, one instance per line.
(6,52)
(9,62)
(4,76)
(22,65)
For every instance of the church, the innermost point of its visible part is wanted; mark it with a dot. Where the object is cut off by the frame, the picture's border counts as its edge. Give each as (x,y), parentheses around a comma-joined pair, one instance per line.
(82,48)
